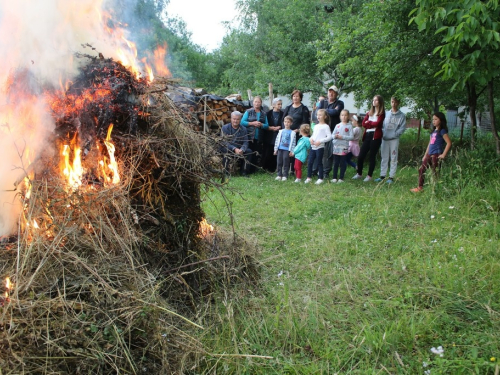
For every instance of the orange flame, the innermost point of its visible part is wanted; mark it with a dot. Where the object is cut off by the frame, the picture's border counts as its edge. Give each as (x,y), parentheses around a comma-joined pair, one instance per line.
(112,165)
(73,171)
(205,228)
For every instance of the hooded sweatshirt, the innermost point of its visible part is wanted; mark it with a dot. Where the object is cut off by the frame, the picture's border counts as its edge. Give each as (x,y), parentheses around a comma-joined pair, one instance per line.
(394,125)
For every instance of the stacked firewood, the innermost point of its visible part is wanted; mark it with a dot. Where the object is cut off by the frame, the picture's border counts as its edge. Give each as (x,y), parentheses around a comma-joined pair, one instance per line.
(206,112)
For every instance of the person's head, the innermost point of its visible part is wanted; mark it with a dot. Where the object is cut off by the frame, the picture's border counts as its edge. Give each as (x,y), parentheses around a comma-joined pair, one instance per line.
(257,102)
(305,130)
(288,121)
(277,104)
(377,106)
(355,121)
(395,104)
(236,119)
(439,121)
(322,116)
(320,99)
(344,116)
(297,96)
(333,93)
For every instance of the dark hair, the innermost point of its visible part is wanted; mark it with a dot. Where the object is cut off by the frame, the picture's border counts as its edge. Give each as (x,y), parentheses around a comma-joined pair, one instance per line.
(298,92)
(443,123)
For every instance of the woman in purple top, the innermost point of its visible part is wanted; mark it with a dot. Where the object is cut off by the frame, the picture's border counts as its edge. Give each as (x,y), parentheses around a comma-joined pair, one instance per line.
(437,149)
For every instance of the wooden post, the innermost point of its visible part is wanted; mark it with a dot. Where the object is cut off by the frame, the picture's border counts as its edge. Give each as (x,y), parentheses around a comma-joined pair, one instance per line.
(462,131)
(205,117)
(249,93)
(271,95)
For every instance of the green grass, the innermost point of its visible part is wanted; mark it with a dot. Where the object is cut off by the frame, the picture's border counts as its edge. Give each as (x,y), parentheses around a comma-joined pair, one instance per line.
(361,278)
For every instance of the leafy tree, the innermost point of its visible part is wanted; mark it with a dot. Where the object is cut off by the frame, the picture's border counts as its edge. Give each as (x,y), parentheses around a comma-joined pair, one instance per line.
(469,47)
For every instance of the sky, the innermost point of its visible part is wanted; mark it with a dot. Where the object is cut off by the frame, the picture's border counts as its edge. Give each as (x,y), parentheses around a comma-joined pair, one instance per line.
(204,19)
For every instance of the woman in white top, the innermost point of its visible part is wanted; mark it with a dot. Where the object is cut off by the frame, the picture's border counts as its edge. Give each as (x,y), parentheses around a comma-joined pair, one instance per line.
(372,139)
(321,134)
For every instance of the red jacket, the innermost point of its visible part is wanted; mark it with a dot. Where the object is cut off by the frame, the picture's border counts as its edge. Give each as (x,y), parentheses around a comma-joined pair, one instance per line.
(377,125)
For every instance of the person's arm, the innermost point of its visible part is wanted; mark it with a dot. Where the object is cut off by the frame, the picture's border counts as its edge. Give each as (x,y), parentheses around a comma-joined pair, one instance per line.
(263,120)
(447,148)
(327,136)
(347,136)
(401,128)
(335,111)
(300,145)
(292,141)
(244,120)
(227,144)
(306,115)
(277,142)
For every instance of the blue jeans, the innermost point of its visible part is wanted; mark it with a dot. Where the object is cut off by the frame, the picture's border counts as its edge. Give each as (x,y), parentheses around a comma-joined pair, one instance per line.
(313,155)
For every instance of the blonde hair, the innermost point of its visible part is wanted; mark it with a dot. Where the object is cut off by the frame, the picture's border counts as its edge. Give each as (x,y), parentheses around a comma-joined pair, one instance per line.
(327,118)
(306,129)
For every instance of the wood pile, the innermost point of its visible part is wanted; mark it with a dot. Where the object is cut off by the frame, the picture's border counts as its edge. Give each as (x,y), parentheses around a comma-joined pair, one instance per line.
(201,108)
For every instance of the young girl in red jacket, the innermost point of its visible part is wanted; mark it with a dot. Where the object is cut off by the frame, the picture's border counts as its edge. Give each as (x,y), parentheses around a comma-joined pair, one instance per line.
(372,139)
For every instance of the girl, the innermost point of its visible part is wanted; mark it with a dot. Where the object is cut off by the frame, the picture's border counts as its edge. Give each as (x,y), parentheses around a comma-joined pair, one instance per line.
(285,143)
(300,151)
(372,139)
(321,134)
(354,143)
(434,152)
(341,135)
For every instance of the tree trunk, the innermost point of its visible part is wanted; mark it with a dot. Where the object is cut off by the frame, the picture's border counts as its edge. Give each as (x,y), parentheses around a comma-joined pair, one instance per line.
(472,99)
(491,104)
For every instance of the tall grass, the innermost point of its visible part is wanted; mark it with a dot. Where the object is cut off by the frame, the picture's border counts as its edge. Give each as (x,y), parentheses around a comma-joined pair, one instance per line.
(364,278)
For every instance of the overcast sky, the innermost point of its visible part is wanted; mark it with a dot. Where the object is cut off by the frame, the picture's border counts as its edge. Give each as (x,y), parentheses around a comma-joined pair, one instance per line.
(204,19)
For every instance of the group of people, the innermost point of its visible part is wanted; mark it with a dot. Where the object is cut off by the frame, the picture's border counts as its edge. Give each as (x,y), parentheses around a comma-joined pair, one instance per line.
(328,138)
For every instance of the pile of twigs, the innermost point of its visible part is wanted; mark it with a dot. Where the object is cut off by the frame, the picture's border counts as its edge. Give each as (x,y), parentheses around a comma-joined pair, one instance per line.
(105,278)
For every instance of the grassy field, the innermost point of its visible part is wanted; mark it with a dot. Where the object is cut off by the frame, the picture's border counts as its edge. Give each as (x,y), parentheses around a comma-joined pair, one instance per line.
(363,278)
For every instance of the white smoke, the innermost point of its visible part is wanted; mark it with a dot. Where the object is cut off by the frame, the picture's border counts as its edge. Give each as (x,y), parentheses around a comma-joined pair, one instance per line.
(38,40)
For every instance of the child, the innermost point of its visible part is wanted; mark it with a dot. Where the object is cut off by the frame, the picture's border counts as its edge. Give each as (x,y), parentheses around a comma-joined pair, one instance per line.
(354,143)
(285,142)
(434,152)
(321,134)
(300,151)
(341,135)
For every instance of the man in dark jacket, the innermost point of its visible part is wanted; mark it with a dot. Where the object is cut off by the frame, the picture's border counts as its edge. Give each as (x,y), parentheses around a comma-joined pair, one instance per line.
(235,144)
(333,107)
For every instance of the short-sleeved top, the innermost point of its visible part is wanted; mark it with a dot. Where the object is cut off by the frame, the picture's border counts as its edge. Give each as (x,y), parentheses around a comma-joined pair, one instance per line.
(437,142)
(286,138)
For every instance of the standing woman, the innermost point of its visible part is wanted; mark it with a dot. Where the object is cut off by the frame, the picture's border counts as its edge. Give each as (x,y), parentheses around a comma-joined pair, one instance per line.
(274,119)
(300,114)
(372,139)
(255,121)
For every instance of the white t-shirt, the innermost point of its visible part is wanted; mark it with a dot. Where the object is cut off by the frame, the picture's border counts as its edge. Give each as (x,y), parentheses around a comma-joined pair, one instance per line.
(321,133)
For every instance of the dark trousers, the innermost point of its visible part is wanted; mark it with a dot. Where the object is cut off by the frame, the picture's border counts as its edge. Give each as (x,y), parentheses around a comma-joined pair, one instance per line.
(348,160)
(370,146)
(268,157)
(313,155)
(327,159)
(229,158)
(256,158)
(283,163)
(339,160)
(433,160)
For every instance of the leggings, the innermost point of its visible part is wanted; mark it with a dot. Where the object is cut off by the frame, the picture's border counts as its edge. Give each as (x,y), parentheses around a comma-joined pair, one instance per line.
(433,160)
(371,146)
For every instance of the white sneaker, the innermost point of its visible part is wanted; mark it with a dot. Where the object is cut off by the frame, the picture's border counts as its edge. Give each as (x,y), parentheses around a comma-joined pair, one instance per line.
(334,181)
(367,179)
(319,182)
(278,178)
(307,180)
(284,179)
(357,177)
(298,180)
(340,181)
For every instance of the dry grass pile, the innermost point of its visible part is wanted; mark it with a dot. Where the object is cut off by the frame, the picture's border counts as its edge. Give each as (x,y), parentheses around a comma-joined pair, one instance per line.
(106,279)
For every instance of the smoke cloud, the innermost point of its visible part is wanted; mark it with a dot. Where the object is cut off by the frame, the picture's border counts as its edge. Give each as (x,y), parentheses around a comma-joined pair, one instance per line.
(38,40)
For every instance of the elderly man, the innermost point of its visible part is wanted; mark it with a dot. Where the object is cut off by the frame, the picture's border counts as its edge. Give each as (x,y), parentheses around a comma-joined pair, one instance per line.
(333,107)
(235,144)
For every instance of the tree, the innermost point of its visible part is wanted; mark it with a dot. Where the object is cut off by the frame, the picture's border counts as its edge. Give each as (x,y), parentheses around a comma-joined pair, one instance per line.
(469,47)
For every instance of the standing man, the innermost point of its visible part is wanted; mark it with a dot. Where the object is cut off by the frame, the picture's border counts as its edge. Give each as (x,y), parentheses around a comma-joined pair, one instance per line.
(235,144)
(333,107)
(394,126)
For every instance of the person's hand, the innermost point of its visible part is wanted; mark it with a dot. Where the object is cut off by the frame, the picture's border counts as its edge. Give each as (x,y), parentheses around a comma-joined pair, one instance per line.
(296,130)
(441,156)
(238,151)
(311,141)
(317,143)
(339,136)
(291,154)
(275,153)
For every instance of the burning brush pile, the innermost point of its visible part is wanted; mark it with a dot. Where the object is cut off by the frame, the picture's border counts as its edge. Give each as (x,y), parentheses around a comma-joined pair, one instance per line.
(111,245)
